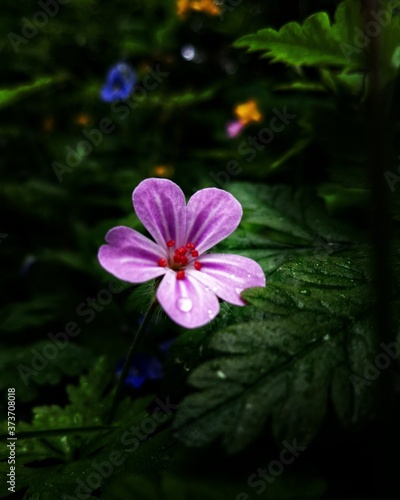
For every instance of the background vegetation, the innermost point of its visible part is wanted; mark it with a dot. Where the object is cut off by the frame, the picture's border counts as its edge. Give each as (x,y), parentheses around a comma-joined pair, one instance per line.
(305,361)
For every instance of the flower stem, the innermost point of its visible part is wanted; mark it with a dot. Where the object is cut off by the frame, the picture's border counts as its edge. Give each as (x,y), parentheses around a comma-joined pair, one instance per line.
(128,361)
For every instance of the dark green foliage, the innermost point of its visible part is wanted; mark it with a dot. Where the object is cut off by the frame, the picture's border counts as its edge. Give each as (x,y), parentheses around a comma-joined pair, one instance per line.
(304,360)
(308,339)
(318,42)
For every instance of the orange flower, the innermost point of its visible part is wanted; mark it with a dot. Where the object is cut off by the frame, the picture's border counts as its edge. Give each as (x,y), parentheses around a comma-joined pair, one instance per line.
(248,112)
(182,7)
(163,170)
(82,120)
(206,6)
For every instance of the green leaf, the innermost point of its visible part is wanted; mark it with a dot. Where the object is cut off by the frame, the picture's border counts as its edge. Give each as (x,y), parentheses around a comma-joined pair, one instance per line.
(39,310)
(184,99)
(311,336)
(302,86)
(295,213)
(317,42)
(280,223)
(183,486)
(297,148)
(50,460)
(390,42)
(28,369)
(9,96)
(59,432)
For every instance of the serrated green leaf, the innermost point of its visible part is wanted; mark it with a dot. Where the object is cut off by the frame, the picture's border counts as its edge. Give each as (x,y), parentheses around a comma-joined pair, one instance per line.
(87,405)
(73,455)
(295,213)
(317,42)
(280,223)
(315,330)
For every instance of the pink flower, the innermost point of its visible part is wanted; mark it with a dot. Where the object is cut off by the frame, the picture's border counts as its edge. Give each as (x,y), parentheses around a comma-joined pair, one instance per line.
(192,280)
(233,129)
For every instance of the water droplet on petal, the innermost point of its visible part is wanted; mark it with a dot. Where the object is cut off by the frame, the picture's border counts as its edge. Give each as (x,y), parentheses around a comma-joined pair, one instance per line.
(232,276)
(184,304)
(210,312)
(207,289)
(249,275)
(238,290)
(215,289)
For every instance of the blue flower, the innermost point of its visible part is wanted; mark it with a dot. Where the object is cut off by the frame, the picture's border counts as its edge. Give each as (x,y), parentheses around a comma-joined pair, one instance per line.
(119,83)
(145,367)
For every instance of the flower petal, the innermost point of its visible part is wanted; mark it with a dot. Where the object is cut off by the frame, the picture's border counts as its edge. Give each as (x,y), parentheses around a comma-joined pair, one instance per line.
(161,206)
(187,302)
(228,275)
(212,215)
(130,256)
(120,82)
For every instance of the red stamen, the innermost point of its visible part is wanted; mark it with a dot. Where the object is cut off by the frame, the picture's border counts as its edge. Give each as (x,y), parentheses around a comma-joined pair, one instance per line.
(184,260)
(162,263)
(190,246)
(197,266)
(170,243)
(177,258)
(182,250)
(180,275)
(194,253)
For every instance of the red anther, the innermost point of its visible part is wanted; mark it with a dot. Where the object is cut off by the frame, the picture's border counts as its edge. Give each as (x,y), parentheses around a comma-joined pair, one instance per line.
(180,275)
(177,258)
(182,250)
(162,263)
(170,243)
(190,246)
(184,260)
(194,253)
(197,265)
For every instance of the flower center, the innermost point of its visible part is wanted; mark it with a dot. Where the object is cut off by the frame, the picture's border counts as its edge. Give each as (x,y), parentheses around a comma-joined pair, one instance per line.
(180,258)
